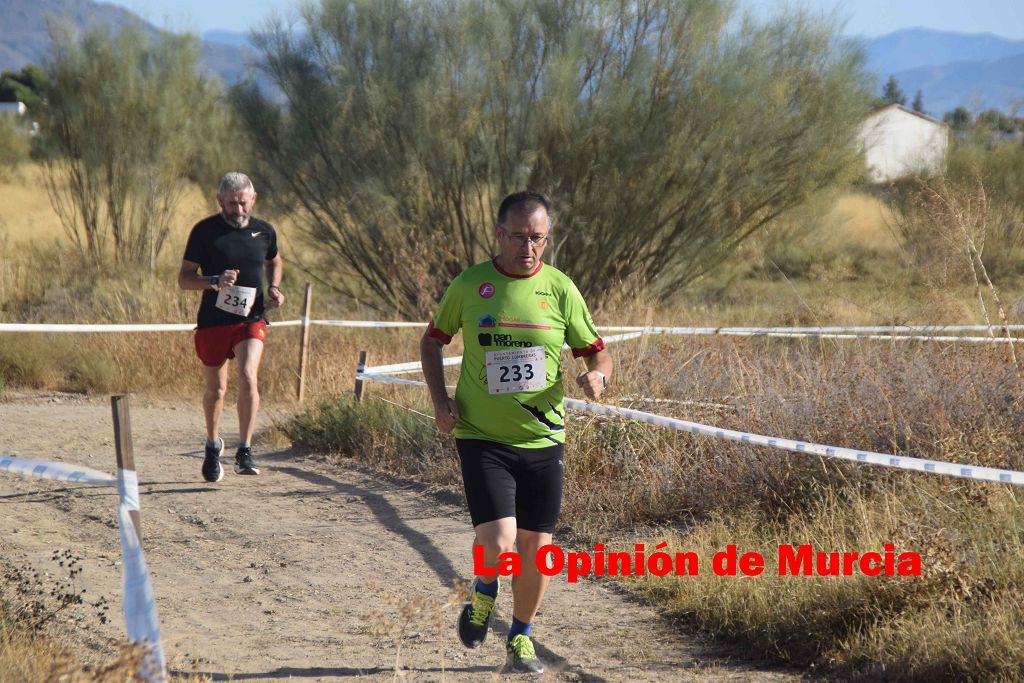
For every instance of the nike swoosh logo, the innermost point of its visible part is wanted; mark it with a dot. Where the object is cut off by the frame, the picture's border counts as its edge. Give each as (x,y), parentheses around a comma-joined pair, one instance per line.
(254,234)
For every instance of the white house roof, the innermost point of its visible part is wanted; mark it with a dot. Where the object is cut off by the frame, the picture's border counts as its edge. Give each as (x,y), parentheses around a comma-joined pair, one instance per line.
(878,110)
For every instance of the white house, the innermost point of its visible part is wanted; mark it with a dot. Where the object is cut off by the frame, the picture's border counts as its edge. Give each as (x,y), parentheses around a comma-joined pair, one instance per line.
(898,142)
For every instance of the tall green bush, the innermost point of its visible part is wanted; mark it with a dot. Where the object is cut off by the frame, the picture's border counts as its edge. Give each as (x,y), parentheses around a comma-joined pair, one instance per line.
(125,121)
(665,131)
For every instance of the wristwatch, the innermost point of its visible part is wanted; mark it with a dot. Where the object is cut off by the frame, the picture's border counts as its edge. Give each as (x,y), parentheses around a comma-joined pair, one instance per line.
(213,282)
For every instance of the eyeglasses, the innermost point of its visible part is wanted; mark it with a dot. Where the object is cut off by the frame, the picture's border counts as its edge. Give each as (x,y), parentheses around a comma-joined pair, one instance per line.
(521,240)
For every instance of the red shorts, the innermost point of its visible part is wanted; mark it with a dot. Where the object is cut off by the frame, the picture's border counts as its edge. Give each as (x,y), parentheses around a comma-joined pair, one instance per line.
(215,345)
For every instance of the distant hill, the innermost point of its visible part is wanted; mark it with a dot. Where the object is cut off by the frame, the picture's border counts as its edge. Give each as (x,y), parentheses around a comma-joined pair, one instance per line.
(23,37)
(24,40)
(223,37)
(977,86)
(917,47)
(976,71)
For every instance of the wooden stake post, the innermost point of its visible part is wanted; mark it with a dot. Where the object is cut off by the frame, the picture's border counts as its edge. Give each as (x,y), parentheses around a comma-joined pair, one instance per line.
(360,367)
(304,343)
(123,448)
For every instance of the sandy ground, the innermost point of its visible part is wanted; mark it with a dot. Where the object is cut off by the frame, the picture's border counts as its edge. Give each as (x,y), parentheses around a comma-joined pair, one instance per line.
(309,572)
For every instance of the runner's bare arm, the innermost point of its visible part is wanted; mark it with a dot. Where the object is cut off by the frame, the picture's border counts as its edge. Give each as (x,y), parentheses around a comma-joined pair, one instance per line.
(273,269)
(446,413)
(189,277)
(598,374)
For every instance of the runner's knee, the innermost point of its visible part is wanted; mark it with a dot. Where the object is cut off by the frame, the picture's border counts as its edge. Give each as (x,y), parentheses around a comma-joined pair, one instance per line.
(496,538)
(529,542)
(248,379)
(216,392)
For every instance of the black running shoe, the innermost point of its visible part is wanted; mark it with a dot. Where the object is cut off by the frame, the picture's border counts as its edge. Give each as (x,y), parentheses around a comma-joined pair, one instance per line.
(244,464)
(522,658)
(474,619)
(212,471)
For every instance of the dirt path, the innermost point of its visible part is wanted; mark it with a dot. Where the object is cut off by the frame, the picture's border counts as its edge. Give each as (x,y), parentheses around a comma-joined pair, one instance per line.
(294,575)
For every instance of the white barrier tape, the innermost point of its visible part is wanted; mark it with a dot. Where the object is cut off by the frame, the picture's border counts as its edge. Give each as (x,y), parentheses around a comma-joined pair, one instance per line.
(140,616)
(619,337)
(813,333)
(886,460)
(400,368)
(415,366)
(365,323)
(919,329)
(141,621)
(386,379)
(57,471)
(179,327)
(33,327)
(882,329)
(156,327)
(883,459)
(128,488)
(881,337)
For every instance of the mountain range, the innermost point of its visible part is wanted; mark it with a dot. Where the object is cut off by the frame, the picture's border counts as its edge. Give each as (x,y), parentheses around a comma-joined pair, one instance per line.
(976,71)
(24,39)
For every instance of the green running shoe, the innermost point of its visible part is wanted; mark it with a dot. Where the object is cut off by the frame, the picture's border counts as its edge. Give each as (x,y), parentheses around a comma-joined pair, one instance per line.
(521,656)
(474,619)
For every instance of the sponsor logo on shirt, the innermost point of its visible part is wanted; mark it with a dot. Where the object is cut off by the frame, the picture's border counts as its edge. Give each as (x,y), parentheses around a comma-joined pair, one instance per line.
(542,293)
(255,233)
(484,338)
(488,321)
(543,304)
(509,340)
(487,290)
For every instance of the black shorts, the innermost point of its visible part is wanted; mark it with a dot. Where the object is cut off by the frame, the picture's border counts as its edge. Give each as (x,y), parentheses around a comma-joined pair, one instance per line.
(509,481)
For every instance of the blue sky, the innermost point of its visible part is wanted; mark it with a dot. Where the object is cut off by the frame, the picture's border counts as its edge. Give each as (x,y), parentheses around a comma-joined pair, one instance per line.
(871,18)
(867,18)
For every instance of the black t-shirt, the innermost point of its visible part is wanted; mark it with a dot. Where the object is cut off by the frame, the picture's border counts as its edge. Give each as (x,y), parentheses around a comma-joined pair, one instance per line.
(217,246)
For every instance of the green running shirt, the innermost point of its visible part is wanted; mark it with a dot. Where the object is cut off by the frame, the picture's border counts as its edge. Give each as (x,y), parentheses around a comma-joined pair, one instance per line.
(505,315)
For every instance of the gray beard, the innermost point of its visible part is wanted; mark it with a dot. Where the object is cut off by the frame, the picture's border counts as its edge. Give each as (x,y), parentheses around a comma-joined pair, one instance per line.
(234,222)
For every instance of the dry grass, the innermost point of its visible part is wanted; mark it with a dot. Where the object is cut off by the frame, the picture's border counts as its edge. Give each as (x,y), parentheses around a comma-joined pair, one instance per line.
(409,617)
(860,219)
(29,658)
(39,613)
(932,626)
(953,403)
(25,212)
(27,216)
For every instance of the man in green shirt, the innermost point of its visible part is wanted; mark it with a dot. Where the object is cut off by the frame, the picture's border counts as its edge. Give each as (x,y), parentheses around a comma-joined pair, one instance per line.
(507,415)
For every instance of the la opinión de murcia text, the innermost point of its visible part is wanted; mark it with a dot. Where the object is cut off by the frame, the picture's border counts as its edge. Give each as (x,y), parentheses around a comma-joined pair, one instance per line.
(791,560)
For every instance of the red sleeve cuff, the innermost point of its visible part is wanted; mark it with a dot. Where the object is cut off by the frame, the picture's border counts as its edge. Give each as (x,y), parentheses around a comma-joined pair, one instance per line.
(590,350)
(441,336)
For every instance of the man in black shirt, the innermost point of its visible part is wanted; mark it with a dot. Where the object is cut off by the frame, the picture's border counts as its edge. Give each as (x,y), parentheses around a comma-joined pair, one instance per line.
(235,253)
